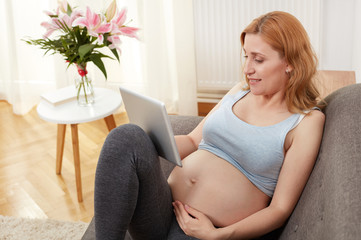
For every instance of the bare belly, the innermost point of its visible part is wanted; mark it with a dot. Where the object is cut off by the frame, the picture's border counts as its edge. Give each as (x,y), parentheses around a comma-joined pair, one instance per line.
(216,188)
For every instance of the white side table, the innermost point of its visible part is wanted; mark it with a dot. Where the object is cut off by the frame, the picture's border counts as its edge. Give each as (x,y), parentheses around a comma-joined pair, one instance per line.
(106,102)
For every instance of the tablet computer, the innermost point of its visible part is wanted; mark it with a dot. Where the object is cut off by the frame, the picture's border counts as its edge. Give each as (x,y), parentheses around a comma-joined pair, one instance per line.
(151,115)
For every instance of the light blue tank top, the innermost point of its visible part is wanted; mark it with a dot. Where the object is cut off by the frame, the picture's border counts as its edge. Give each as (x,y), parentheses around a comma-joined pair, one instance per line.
(258,152)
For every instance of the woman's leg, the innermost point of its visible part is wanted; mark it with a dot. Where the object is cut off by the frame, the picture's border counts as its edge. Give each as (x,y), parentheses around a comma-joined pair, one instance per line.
(131,191)
(176,233)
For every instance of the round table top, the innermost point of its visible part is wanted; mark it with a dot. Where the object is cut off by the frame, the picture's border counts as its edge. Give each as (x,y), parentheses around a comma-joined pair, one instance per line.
(106,102)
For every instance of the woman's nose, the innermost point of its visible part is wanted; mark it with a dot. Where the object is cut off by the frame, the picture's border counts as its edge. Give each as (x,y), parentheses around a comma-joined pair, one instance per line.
(248,68)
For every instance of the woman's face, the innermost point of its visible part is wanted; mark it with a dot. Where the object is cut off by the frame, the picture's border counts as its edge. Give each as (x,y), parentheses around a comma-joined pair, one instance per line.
(264,67)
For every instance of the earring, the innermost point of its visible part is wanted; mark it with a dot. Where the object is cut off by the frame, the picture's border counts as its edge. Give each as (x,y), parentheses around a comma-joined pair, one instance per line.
(287,71)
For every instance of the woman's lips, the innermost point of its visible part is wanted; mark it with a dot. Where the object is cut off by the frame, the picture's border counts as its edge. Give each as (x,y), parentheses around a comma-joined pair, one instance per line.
(254,80)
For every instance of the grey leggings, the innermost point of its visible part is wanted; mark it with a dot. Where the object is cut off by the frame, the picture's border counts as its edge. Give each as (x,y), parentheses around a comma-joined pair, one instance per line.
(131,191)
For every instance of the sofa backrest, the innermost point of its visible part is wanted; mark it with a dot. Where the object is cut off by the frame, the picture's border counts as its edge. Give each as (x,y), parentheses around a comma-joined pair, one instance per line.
(330,205)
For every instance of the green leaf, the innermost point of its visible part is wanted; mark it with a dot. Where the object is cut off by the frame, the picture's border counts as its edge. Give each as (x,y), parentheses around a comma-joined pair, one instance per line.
(81,34)
(64,27)
(69,10)
(85,49)
(102,55)
(115,52)
(76,32)
(96,59)
(69,64)
(72,59)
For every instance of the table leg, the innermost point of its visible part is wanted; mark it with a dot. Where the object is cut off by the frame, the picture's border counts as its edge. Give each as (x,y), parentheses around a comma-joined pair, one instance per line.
(110,122)
(75,140)
(60,147)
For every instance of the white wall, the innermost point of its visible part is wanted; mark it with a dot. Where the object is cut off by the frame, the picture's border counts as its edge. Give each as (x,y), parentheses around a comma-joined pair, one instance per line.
(218,25)
(356,63)
(341,37)
(334,27)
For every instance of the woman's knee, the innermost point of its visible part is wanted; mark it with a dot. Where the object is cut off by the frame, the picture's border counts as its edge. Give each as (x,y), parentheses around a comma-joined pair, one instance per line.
(126,137)
(128,141)
(119,150)
(127,132)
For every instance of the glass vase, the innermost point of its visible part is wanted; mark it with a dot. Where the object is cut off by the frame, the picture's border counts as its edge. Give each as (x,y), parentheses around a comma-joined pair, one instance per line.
(85,91)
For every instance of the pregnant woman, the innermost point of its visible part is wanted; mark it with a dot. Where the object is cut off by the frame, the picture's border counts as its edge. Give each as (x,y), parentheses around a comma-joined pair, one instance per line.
(244,166)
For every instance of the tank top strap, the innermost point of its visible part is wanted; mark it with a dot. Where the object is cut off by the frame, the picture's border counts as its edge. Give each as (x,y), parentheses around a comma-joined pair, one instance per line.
(239,95)
(302,116)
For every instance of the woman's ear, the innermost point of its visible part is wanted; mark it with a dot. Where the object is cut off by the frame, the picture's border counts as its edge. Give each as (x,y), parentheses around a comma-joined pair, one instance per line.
(289,68)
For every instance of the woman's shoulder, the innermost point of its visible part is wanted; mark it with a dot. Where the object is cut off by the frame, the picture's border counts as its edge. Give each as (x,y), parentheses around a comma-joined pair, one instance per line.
(316,114)
(233,95)
(236,92)
(310,130)
(236,89)
(314,120)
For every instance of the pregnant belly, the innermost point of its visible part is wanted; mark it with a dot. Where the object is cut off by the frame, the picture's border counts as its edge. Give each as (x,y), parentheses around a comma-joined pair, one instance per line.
(216,188)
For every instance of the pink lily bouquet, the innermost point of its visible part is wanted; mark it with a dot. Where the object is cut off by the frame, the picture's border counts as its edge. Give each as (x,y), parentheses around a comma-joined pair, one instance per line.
(81,35)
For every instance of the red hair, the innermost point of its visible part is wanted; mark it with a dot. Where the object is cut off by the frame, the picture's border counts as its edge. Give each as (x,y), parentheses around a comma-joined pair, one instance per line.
(284,33)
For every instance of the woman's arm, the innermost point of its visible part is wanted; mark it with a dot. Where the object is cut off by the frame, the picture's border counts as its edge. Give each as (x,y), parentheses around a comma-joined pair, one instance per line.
(298,164)
(189,143)
(296,169)
(185,144)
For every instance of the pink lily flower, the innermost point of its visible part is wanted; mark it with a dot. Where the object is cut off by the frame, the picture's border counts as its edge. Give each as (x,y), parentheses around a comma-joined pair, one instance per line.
(120,18)
(54,23)
(129,31)
(118,27)
(111,10)
(50,14)
(94,23)
(115,40)
(63,5)
(68,20)
(51,26)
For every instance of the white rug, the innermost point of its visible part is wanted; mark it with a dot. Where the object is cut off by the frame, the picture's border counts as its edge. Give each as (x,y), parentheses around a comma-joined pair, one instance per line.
(12,228)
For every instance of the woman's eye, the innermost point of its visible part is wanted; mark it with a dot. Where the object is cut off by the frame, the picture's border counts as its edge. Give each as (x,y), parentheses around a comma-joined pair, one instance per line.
(258,60)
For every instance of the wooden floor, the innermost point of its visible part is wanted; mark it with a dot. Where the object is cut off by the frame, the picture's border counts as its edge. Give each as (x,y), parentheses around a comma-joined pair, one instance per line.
(29,186)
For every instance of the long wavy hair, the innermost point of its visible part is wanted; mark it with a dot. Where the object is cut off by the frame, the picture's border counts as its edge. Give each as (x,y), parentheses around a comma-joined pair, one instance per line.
(285,34)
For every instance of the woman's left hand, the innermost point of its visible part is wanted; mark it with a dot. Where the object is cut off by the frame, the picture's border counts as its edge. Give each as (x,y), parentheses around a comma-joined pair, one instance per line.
(193,222)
